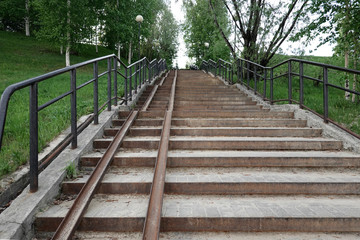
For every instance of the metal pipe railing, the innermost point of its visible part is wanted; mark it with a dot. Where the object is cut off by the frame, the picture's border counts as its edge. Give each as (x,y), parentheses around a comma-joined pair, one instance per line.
(250,74)
(140,67)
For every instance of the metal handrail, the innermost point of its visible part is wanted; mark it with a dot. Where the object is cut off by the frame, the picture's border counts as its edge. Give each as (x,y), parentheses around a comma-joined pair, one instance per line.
(247,70)
(144,70)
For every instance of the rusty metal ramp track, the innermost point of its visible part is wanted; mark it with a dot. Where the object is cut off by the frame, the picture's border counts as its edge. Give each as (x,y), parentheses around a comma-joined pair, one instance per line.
(153,216)
(73,217)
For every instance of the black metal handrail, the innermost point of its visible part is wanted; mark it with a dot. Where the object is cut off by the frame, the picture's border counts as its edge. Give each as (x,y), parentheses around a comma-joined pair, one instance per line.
(138,72)
(249,71)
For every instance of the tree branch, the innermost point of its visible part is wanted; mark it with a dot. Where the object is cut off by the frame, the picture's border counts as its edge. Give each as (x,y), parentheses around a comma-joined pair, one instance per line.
(220,29)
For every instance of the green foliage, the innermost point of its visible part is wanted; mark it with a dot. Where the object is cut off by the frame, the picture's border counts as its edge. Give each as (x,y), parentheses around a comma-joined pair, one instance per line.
(162,42)
(262,26)
(57,18)
(119,23)
(200,28)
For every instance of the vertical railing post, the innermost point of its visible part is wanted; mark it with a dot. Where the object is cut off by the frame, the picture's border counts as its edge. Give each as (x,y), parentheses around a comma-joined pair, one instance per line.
(130,84)
(272,86)
(136,76)
(241,72)
(248,74)
(144,71)
(126,86)
(34,138)
(237,70)
(232,74)
(140,69)
(326,95)
(301,80)
(265,76)
(289,81)
(73,109)
(115,82)
(96,91)
(255,79)
(109,84)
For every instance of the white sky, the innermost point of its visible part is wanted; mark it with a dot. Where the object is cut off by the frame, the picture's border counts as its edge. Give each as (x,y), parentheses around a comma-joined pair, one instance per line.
(182,59)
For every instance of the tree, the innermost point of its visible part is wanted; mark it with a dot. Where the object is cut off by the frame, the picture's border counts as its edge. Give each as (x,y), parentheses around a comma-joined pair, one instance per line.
(121,29)
(162,42)
(339,22)
(200,28)
(66,23)
(262,26)
(16,15)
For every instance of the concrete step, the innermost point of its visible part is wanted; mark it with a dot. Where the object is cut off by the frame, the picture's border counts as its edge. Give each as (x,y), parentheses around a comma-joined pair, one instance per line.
(196,158)
(221,131)
(217,236)
(215,213)
(230,114)
(237,122)
(228,143)
(207,103)
(228,181)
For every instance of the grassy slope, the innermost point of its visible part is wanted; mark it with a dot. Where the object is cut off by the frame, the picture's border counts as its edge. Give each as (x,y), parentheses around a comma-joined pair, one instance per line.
(23,58)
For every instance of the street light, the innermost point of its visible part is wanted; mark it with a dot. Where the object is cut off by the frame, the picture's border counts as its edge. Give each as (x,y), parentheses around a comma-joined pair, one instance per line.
(139,19)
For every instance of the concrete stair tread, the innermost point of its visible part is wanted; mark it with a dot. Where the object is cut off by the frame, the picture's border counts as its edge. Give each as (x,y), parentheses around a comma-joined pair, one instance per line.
(208,206)
(248,139)
(219,236)
(230,154)
(226,175)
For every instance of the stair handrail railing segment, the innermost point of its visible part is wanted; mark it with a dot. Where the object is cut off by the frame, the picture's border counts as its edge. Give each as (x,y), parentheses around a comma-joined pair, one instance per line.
(138,72)
(251,74)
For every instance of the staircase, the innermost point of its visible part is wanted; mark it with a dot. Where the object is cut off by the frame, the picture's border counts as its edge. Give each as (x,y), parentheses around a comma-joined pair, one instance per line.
(235,171)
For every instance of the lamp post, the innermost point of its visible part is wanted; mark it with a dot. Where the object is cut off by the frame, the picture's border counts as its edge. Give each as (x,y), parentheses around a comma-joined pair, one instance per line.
(206,44)
(139,19)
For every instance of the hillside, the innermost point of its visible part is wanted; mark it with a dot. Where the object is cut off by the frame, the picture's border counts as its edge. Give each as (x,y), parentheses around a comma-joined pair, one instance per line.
(25,57)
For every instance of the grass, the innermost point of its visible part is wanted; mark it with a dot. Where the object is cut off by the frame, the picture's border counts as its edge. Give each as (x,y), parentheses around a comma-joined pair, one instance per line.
(24,58)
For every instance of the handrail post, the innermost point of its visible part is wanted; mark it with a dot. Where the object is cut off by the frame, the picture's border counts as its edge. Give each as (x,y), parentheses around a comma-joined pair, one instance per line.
(237,70)
(265,76)
(73,109)
(232,74)
(272,86)
(34,138)
(241,72)
(136,76)
(130,84)
(139,71)
(289,81)
(255,79)
(325,95)
(248,74)
(96,91)
(115,82)
(301,79)
(109,84)
(126,86)
(144,71)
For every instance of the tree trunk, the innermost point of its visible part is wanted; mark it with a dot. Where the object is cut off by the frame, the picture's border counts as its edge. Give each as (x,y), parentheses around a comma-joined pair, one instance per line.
(347,94)
(96,40)
(67,53)
(129,61)
(27,19)
(61,50)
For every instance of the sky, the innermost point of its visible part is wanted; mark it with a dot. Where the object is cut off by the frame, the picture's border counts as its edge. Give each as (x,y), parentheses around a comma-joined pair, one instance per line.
(182,59)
